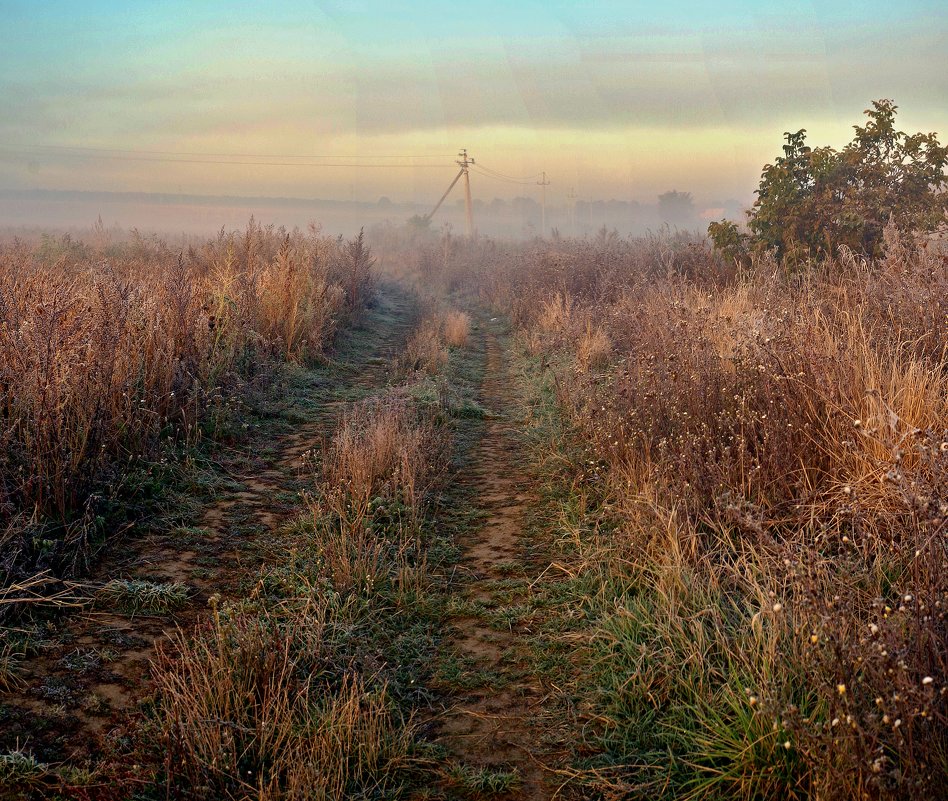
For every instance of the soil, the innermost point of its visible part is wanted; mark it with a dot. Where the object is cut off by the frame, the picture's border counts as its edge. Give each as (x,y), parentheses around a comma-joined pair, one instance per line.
(504,724)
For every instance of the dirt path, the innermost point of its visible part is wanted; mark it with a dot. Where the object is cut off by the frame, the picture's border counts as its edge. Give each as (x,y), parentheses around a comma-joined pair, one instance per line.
(74,694)
(498,720)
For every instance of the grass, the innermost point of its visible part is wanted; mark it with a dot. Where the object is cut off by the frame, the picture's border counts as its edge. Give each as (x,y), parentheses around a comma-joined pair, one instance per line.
(334,638)
(12,656)
(113,354)
(742,519)
(312,730)
(483,782)
(138,595)
(456,325)
(466,673)
(739,474)
(19,769)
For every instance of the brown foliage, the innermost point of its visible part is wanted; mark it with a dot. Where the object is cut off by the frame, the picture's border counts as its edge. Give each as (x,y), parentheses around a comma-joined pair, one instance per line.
(106,354)
(775,452)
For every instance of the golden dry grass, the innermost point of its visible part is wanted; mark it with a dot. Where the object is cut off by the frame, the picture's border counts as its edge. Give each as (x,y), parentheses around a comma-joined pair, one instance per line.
(249,709)
(109,354)
(457,328)
(773,454)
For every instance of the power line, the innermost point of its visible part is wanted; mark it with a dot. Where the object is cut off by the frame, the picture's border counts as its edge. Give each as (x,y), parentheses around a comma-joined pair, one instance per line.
(221,155)
(505,176)
(500,174)
(230,162)
(506,180)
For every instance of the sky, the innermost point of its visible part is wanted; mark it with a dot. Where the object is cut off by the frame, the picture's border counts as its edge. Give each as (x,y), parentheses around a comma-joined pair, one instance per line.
(357,99)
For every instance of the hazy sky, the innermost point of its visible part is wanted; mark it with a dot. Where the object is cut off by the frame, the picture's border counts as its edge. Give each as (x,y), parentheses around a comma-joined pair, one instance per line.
(617,99)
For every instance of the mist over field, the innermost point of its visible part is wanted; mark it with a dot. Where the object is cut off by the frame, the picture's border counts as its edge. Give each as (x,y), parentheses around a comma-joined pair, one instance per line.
(518,218)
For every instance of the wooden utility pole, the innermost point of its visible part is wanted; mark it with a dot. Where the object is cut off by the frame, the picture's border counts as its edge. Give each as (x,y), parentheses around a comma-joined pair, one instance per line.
(572,211)
(464,162)
(543,184)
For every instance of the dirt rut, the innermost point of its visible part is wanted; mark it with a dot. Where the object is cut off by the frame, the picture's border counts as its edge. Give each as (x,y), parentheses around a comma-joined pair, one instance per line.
(500,724)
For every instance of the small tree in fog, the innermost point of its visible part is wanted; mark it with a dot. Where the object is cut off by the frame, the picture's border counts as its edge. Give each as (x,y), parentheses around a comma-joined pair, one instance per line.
(811,201)
(677,208)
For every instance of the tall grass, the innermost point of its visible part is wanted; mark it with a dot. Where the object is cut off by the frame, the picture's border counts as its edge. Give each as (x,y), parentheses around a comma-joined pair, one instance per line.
(305,688)
(256,707)
(773,450)
(109,351)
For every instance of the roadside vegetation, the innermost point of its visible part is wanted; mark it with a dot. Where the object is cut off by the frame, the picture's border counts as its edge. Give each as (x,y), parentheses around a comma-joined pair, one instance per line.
(334,641)
(754,515)
(114,356)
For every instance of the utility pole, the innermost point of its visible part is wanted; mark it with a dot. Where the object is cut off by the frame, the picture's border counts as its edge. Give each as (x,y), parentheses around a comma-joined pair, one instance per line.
(543,184)
(463,161)
(572,211)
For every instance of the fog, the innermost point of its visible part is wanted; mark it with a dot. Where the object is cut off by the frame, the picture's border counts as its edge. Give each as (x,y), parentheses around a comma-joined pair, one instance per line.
(519,218)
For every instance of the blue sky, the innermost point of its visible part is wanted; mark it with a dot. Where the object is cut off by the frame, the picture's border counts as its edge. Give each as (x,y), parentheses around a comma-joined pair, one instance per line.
(621,99)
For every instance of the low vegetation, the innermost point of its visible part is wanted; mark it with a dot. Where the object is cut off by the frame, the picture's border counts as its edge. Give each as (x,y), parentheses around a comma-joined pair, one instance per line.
(727,579)
(112,354)
(760,465)
(306,688)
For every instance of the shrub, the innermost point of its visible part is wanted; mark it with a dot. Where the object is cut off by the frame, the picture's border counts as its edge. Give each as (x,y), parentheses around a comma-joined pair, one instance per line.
(770,451)
(812,201)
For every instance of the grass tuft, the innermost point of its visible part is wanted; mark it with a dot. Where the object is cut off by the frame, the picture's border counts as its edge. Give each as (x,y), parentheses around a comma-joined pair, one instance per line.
(137,595)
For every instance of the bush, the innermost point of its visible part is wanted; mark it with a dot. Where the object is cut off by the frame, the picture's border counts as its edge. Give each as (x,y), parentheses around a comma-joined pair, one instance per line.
(813,201)
(110,353)
(772,457)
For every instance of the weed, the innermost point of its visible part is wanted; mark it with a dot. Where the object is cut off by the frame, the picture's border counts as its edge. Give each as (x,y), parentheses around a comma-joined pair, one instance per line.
(19,769)
(110,358)
(752,512)
(138,595)
(457,328)
(482,781)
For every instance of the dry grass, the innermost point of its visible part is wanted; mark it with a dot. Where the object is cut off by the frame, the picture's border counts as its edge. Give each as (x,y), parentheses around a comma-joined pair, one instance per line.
(299,690)
(255,707)
(457,328)
(108,353)
(774,454)
(425,350)
(383,448)
(593,348)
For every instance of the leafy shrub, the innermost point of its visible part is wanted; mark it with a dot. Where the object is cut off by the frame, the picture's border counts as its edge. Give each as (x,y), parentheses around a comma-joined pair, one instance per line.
(812,201)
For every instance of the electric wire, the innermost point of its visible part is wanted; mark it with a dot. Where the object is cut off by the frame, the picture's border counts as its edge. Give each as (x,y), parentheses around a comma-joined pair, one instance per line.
(220,155)
(501,178)
(505,176)
(229,162)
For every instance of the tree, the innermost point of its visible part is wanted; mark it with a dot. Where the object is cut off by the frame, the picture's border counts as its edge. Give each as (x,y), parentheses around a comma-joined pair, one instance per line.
(419,224)
(811,201)
(677,208)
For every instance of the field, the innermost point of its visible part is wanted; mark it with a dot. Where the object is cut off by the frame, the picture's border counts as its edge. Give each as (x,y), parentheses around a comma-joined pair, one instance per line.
(286,516)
